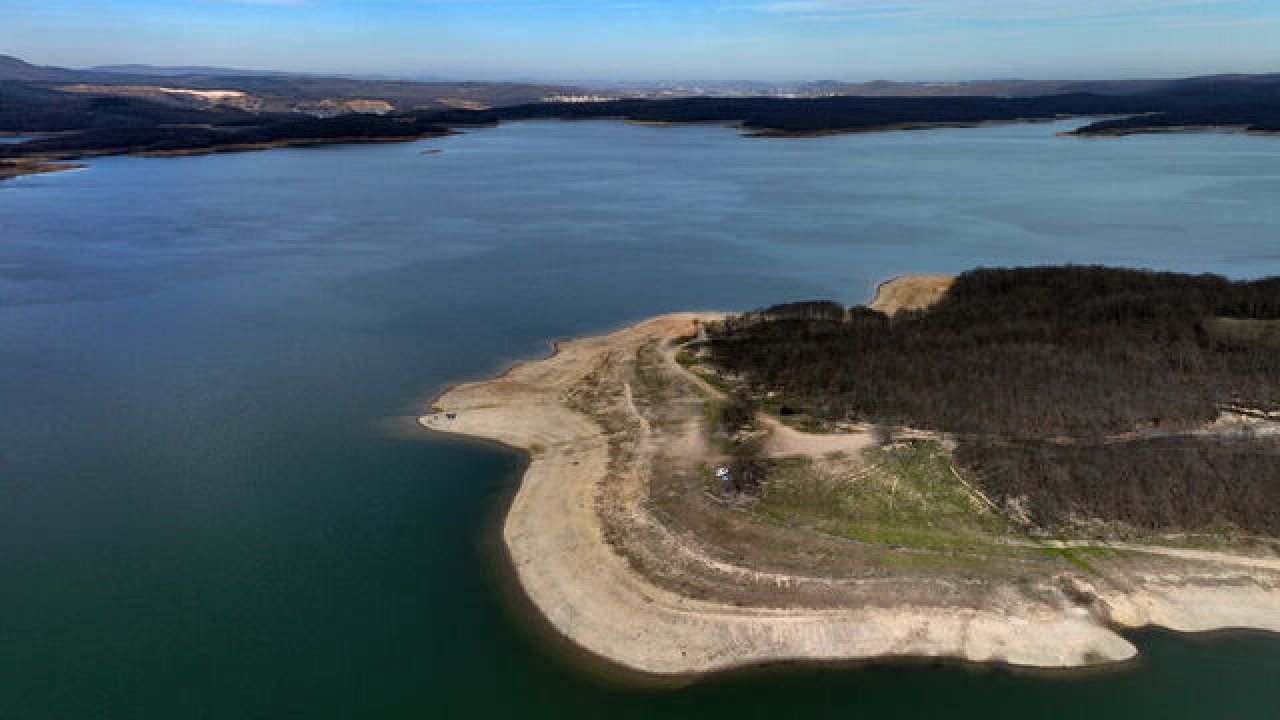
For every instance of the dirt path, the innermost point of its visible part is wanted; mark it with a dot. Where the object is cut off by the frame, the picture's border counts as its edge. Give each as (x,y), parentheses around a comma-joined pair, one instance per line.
(591,594)
(786,441)
(585,468)
(1208,556)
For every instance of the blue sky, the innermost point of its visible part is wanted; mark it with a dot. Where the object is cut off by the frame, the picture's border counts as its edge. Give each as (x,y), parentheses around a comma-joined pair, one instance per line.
(660,39)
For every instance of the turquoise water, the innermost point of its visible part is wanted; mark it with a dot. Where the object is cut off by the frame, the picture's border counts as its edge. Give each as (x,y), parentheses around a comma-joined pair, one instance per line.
(213,503)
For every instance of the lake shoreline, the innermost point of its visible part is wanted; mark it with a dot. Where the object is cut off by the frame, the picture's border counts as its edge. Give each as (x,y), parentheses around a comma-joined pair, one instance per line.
(56,161)
(19,169)
(639,640)
(50,162)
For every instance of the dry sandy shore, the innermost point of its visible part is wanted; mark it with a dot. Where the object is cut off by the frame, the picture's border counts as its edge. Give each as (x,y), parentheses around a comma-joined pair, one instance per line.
(18,169)
(576,575)
(910,292)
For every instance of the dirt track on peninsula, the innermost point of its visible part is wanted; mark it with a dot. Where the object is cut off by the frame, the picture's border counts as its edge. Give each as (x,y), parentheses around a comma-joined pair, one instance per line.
(612,542)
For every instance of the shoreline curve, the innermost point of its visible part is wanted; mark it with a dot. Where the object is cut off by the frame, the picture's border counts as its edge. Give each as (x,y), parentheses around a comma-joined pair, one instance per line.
(587,593)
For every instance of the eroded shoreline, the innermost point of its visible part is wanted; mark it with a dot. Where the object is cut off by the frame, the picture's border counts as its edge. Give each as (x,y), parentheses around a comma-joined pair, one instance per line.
(597,553)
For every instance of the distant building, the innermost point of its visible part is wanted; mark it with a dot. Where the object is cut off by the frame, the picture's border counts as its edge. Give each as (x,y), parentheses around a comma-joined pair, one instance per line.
(578,98)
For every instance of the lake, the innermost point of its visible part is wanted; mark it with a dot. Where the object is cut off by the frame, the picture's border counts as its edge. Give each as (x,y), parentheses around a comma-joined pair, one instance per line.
(214,502)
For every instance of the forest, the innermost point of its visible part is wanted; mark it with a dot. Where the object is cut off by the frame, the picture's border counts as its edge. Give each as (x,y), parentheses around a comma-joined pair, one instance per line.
(800,116)
(1152,485)
(243,130)
(25,107)
(1252,102)
(1039,372)
(1254,106)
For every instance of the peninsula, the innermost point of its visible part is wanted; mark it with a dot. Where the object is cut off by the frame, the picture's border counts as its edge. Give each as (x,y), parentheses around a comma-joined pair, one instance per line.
(690,505)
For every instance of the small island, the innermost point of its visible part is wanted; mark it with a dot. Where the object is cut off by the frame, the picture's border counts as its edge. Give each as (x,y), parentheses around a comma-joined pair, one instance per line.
(1008,466)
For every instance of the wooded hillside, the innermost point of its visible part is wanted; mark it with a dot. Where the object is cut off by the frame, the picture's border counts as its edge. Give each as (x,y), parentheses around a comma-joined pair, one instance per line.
(1072,387)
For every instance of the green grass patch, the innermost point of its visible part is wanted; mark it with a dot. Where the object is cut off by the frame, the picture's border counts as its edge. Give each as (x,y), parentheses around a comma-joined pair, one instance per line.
(901,496)
(1247,330)
(716,381)
(1077,556)
(711,406)
(708,477)
(710,412)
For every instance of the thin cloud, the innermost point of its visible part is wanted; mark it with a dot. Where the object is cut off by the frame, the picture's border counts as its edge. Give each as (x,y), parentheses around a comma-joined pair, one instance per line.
(986,9)
(263,2)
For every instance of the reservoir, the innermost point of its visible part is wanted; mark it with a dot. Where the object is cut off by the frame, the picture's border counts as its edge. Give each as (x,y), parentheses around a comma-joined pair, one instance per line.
(214,502)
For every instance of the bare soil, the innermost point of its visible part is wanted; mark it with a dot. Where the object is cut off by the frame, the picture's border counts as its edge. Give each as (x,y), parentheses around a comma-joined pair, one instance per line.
(622,539)
(910,292)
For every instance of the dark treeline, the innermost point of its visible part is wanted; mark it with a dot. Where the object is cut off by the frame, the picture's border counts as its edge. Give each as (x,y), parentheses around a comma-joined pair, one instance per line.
(1029,352)
(272,129)
(816,115)
(747,467)
(1152,485)
(1211,101)
(1015,361)
(29,108)
(1255,106)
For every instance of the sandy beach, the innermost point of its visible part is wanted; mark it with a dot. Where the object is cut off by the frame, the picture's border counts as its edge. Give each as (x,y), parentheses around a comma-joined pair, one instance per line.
(635,570)
(18,169)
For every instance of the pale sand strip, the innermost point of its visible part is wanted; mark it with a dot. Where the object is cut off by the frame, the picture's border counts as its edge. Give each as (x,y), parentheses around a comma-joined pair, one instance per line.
(914,291)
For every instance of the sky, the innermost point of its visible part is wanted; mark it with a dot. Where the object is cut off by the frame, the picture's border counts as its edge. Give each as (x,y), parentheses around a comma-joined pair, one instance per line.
(659,40)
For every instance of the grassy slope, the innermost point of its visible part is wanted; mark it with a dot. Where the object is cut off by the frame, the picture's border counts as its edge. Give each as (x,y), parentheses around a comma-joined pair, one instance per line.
(903,495)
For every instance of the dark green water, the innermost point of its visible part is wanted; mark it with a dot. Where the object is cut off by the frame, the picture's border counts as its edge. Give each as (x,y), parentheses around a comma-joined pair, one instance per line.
(213,504)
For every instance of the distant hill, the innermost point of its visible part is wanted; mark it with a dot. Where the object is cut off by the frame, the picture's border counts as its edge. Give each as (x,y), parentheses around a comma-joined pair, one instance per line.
(1026,88)
(37,109)
(171,70)
(13,69)
(1001,88)
(282,91)
(275,92)
(113,113)
(214,71)
(988,88)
